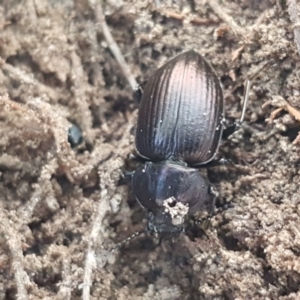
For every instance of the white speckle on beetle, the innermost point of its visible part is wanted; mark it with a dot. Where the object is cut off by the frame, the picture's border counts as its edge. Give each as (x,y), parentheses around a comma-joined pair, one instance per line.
(177,212)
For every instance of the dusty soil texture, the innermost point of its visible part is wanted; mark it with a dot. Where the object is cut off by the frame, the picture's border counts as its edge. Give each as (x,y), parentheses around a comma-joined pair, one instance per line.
(62,208)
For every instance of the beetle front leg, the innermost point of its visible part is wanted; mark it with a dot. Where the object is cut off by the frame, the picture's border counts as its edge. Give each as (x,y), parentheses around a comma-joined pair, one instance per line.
(138,93)
(231,129)
(137,158)
(214,163)
(127,175)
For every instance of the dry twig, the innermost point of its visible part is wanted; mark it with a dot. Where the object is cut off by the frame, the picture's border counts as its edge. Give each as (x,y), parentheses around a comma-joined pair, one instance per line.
(58,126)
(94,240)
(190,19)
(65,288)
(249,37)
(249,179)
(246,35)
(294,16)
(28,79)
(219,10)
(287,107)
(14,244)
(113,46)
(79,81)
(44,183)
(108,188)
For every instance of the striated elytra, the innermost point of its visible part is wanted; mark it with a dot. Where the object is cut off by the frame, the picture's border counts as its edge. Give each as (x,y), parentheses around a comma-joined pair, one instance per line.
(181,112)
(179,128)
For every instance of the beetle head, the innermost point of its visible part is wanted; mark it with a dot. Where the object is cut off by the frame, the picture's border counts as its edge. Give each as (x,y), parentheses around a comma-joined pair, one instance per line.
(170,192)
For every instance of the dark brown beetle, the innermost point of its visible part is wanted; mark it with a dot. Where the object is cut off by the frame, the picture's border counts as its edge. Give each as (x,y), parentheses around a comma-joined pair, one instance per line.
(180,125)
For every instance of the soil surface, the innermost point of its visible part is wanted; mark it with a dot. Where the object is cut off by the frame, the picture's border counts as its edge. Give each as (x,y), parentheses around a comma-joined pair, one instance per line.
(62,208)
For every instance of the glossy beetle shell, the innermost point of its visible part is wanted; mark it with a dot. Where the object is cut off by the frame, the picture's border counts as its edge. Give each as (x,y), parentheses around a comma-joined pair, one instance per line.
(154,182)
(181,112)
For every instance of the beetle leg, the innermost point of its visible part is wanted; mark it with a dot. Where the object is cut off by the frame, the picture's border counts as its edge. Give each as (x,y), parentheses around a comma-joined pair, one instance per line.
(127,175)
(215,163)
(206,221)
(135,157)
(138,93)
(237,125)
(212,191)
(231,129)
(131,237)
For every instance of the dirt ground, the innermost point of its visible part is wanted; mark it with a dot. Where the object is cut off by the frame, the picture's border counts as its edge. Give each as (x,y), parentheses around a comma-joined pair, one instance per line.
(62,208)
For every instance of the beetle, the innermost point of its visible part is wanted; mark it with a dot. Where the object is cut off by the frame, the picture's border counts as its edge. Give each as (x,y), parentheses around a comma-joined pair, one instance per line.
(179,128)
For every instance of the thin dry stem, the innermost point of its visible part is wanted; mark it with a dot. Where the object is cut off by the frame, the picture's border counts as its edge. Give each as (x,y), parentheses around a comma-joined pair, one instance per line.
(79,82)
(65,288)
(28,79)
(108,187)
(28,209)
(32,10)
(238,51)
(249,179)
(51,122)
(190,19)
(14,245)
(94,239)
(296,141)
(58,126)
(289,108)
(25,214)
(294,16)
(246,35)
(219,10)
(113,46)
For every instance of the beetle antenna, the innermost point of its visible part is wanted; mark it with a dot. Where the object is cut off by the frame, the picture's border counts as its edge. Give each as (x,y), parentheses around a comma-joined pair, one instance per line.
(133,236)
(237,124)
(248,86)
(246,98)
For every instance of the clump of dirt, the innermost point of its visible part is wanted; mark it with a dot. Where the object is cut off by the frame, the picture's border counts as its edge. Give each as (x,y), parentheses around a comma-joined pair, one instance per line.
(62,208)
